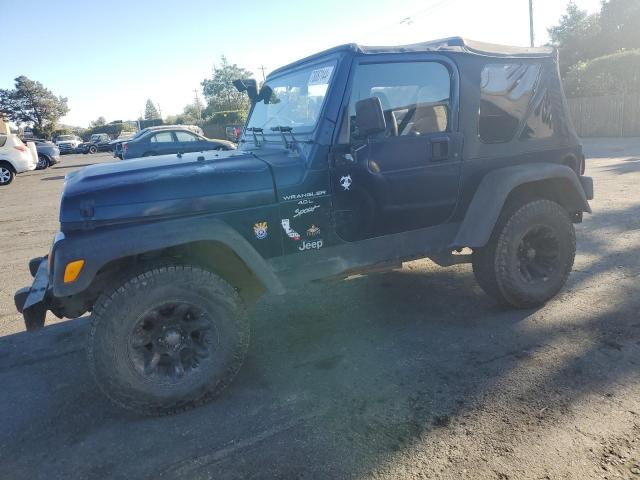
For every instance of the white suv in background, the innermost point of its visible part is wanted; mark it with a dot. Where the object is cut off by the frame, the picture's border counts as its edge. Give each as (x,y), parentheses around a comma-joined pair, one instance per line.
(15,157)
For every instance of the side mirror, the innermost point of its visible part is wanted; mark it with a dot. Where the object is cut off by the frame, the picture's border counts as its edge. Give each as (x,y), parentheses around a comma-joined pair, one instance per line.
(248,85)
(370,117)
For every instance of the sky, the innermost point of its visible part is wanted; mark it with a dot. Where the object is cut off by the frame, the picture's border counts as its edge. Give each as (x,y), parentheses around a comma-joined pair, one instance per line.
(109,57)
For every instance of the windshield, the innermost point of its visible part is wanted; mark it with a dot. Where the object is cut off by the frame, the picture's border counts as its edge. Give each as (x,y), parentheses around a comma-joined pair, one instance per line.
(66,137)
(296,100)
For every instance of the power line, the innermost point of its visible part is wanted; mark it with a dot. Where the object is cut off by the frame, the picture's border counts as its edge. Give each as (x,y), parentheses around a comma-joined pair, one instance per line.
(410,19)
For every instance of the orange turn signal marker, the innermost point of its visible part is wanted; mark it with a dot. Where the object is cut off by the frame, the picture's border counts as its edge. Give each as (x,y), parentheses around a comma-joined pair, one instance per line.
(72,270)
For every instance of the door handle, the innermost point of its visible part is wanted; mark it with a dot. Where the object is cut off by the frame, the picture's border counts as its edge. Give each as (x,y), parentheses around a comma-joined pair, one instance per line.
(440,149)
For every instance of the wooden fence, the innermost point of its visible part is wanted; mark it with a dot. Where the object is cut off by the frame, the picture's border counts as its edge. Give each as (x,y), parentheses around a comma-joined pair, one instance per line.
(609,116)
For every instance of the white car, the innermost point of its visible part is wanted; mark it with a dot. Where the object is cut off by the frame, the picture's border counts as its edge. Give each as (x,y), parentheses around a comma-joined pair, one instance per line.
(15,157)
(68,143)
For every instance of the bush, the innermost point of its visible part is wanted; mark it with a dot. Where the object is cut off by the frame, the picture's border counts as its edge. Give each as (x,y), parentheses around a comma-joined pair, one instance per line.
(618,73)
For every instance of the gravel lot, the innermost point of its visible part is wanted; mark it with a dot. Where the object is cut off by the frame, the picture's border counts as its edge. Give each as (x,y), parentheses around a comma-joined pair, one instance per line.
(408,374)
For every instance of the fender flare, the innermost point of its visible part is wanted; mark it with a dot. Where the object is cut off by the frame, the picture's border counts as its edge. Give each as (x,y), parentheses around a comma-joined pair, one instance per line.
(494,189)
(98,248)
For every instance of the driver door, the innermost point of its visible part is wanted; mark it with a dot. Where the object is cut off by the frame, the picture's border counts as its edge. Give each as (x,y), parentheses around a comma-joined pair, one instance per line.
(406,177)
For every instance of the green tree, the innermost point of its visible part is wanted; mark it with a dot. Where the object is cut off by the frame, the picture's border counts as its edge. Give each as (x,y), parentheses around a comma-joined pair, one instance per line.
(150,111)
(576,37)
(581,37)
(620,25)
(99,122)
(191,115)
(222,97)
(33,104)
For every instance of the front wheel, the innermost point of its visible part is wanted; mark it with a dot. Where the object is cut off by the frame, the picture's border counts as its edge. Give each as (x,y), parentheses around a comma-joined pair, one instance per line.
(93,149)
(167,340)
(529,256)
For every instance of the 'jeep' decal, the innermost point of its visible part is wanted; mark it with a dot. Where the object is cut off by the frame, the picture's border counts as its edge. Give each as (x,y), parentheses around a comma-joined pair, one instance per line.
(315,245)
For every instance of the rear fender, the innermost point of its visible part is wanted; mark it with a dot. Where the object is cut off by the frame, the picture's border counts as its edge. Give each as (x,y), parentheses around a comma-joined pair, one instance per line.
(495,188)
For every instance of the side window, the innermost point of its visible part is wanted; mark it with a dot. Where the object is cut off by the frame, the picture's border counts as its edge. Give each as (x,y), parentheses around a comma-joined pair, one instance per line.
(540,123)
(162,137)
(186,137)
(415,96)
(505,92)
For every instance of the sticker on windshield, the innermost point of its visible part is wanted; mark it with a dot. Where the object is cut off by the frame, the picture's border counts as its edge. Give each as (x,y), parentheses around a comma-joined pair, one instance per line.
(320,76)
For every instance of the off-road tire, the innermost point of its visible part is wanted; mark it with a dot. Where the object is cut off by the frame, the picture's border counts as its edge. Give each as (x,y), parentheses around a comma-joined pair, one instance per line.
(116,315)
(497,268)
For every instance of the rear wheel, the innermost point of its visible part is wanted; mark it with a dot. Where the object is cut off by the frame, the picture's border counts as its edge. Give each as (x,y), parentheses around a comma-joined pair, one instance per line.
(43,162)
(529,256)
(6,175)
(168,340)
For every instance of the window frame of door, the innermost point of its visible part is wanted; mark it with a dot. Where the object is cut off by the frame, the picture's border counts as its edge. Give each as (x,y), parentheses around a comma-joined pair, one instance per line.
(343,127)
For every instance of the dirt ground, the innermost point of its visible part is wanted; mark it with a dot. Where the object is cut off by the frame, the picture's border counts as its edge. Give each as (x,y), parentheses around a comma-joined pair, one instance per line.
(408,374)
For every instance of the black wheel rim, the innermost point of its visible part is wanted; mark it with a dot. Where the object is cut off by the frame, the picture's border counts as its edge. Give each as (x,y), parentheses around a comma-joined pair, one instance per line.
(538,254)
(170,342)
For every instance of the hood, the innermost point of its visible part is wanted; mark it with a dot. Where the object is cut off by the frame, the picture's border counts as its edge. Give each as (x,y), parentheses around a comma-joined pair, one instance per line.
(165,186)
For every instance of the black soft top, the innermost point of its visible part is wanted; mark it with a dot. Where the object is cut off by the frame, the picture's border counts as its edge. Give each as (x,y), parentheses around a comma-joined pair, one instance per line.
(452,44)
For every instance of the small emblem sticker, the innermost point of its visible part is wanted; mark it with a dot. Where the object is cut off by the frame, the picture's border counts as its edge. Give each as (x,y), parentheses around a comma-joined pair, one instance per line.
(346,182)
(260,230)
(313,231)
(291,233)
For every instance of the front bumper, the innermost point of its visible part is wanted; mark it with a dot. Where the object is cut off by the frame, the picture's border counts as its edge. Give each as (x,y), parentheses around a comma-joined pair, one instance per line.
(31,301)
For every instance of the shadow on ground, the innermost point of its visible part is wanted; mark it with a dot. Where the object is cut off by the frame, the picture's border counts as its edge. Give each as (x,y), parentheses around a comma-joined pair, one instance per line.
(328,390)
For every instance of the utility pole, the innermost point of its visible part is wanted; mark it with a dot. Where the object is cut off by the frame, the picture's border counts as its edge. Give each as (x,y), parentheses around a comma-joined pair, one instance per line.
(195,90)
(263,68)
(160,111)
(531,23)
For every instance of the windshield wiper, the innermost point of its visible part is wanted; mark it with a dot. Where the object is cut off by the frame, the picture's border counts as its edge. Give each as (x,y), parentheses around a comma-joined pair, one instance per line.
(287,144)
(255,130)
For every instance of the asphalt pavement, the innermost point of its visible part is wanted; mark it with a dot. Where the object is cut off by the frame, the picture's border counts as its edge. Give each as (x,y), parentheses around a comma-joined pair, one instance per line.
(413,373)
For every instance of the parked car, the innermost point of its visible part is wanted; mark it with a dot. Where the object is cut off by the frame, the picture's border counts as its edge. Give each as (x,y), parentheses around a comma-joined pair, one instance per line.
(457,151)
(48,153)
(233,132)
(98,142)
(68,143)
(15,157)
(164,141)
(116,145)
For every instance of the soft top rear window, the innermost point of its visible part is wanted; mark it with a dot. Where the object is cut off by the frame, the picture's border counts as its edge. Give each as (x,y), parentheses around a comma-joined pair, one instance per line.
(505,93)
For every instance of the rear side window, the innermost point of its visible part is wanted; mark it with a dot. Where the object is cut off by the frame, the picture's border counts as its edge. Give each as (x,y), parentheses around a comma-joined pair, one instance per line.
(3,140)
(541,121)
(505,93)
(162,137)
(186,137)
